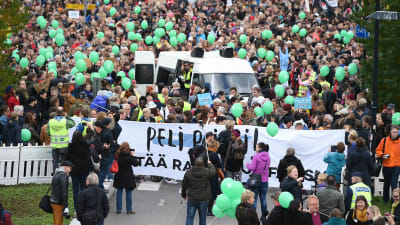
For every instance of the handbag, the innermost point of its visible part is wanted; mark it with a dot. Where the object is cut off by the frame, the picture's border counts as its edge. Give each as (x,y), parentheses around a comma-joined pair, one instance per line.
(91,217)
(254,180)
(114,167)
(45,202)
(379,161)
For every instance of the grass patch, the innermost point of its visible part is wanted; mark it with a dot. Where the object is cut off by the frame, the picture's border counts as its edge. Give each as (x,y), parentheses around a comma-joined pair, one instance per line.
(23,203)
(384,207)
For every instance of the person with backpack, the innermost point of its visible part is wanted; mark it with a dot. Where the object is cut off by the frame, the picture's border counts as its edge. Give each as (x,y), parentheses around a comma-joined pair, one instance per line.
(234,157)
(5,216)
(93,205)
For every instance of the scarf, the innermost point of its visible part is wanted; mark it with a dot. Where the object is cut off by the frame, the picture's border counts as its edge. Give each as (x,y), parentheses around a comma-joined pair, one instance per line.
(394,205)
(360,215)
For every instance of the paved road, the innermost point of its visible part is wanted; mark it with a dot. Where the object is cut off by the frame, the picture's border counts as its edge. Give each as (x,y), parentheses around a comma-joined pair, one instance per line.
(162,207)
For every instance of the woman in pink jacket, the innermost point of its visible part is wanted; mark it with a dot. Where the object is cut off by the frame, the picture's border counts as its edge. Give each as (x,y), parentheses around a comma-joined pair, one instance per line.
(260,165)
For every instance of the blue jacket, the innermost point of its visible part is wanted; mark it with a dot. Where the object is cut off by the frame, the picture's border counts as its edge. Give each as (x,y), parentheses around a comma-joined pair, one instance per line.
(11,133)
(99,101)
(335,221)
(335,161)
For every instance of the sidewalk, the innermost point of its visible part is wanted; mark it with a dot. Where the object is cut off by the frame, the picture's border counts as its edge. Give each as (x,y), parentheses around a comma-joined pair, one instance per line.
(108,185)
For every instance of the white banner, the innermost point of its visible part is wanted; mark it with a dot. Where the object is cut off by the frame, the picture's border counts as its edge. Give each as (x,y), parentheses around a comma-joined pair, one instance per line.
(73,14)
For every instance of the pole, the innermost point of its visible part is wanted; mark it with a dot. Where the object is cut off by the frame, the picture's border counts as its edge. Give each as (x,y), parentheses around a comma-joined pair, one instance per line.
(375,71)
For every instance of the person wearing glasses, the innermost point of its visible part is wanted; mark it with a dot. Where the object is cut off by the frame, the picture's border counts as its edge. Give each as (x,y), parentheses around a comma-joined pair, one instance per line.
(396,206)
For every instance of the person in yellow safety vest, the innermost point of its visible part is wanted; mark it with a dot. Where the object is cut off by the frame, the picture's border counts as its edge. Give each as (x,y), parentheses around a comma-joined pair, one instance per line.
(85,123)
(187,74)
(138,111)
(57,129)
(357,189)
(304,82)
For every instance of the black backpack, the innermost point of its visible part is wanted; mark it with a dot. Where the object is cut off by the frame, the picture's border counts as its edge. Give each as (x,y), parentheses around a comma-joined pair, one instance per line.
(197,151)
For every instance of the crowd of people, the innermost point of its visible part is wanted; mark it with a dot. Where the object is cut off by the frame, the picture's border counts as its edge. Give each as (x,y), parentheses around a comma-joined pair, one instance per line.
(44,99)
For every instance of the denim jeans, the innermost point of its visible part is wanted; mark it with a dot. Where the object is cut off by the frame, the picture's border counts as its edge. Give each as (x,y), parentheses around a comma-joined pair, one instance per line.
(99,223)
(105,165)
(58,155)
(78,184)
(395,177)
(128,199)
(191,212)
(262,192)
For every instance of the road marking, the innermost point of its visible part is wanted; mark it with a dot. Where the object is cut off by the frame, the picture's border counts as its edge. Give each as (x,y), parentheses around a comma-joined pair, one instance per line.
(149,186)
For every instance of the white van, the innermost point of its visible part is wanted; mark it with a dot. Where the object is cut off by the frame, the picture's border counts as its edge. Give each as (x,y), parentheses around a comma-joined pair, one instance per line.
(144,70)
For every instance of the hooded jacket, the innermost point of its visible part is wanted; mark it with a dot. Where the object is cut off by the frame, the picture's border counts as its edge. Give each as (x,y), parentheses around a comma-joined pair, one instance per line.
(196,184)
(260,165)
(335,161)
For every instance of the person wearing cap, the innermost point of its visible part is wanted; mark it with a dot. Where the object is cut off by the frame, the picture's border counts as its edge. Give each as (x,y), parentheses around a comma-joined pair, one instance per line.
(357,188)
(59,192)
(104,146)
(391,108)
(57,129)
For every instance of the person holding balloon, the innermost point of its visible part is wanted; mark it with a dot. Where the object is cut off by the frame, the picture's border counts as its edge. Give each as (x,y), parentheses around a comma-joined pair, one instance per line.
(245,213)
(260,165)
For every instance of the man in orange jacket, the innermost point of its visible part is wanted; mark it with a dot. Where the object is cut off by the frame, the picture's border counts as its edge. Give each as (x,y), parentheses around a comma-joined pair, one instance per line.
(389,150)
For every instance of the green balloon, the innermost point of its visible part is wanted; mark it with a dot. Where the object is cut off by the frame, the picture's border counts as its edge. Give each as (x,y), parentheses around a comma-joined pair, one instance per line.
(74,71)
(156,40)
(39,19)
(25,135)
(24,62)
(54,72)
(289,100)
(343,33)
(258,111)
(172,33)
(237,110)
(295,28)
(181,37)
(223,201)
(60,39)
(132,74)
(78,55)
(52,33)
(235,190)
(283,77)
(268,107)
(138,37)
(144,24)
(266,34)
(109,66)
(94,57)
(148,40)
(236,201)
(396,119)
(81,65)
(100,35)
(42,51)
(272,129)
(134,47)
(106,2)
(50,49)
(324,71)
(158,32)
(337,36)
(60,31)
(243,38)
(350,34)
(231,45)
(211,38)
(16,57)
(103,73)
(242,53)
(303,32)
(16,51)
(285,198)
(79,78)
(261,52)
(218,212)
(52,65)
(270,55)
(339,73)
(113,11)
(121,74)
(352,68)
(131,35)
(161,23)
(94,75)
(43,24)
(40,60)
(173,41)
(115,50)
(49,55)
(302,15)
(279,90)
(130,26)
(226,184)
(169,25)
(231,212)
(126,83)
(346,40)
(138,9)
(54,24)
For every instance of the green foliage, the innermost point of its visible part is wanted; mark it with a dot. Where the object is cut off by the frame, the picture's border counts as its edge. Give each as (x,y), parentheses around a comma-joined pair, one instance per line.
(384,207)
(389,54)
(13,18)
(23,203)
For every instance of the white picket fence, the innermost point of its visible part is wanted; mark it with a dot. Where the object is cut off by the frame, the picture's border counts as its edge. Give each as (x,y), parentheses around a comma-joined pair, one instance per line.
(25,164)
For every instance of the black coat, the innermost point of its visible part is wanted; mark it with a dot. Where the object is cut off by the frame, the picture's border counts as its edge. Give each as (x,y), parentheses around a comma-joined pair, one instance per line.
(350,220)
(295,217)
(246,215)
(290,185)
(88,200)
(287,161)
(214,183)
(397,214)
(125,177)
(79,155)
(224,138)
(11,134)
(361,161)
(104,137)
(276,216)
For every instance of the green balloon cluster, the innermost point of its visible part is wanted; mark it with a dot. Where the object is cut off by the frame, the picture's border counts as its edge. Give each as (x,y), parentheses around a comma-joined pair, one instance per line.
(279,90)
(25,135)
(227,202)
(324,71)
(52,66)
(337,37)
(121,74)
(266,34)
(339,73)
(78,55)
(272,129)
(94,75)
(285,198)
(396,119)
(74,70)
(103,73)
(237,110)
(283,77)
(268,107)
(156,40)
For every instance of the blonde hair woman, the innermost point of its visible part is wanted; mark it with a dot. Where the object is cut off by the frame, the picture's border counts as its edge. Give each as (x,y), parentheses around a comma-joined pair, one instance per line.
(245,213)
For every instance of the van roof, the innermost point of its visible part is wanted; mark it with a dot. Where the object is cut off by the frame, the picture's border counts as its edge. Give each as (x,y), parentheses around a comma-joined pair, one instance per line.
(212,62)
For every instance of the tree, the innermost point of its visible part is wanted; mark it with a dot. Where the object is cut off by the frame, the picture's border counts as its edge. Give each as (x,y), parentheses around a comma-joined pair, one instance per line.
(389,52)
(13,18)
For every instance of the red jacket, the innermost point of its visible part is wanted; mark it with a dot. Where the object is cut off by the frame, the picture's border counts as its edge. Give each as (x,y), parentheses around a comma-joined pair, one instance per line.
(7,219)
(11,102)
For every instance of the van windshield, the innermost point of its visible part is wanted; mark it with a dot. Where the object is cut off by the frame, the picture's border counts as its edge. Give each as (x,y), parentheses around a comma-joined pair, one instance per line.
(224,81)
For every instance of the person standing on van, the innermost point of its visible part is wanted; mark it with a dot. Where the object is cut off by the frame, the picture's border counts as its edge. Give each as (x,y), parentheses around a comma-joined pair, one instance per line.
(187,77)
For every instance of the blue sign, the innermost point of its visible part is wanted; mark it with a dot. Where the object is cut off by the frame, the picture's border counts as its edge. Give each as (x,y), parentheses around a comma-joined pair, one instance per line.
(361,32)
(204,99)
(302,103)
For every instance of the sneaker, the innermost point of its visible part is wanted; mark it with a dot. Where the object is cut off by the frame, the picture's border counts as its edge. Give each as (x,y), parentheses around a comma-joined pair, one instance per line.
(131,212)
(210,214)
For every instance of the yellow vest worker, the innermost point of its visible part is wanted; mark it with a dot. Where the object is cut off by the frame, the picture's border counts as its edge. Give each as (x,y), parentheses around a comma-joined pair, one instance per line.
(358,190)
